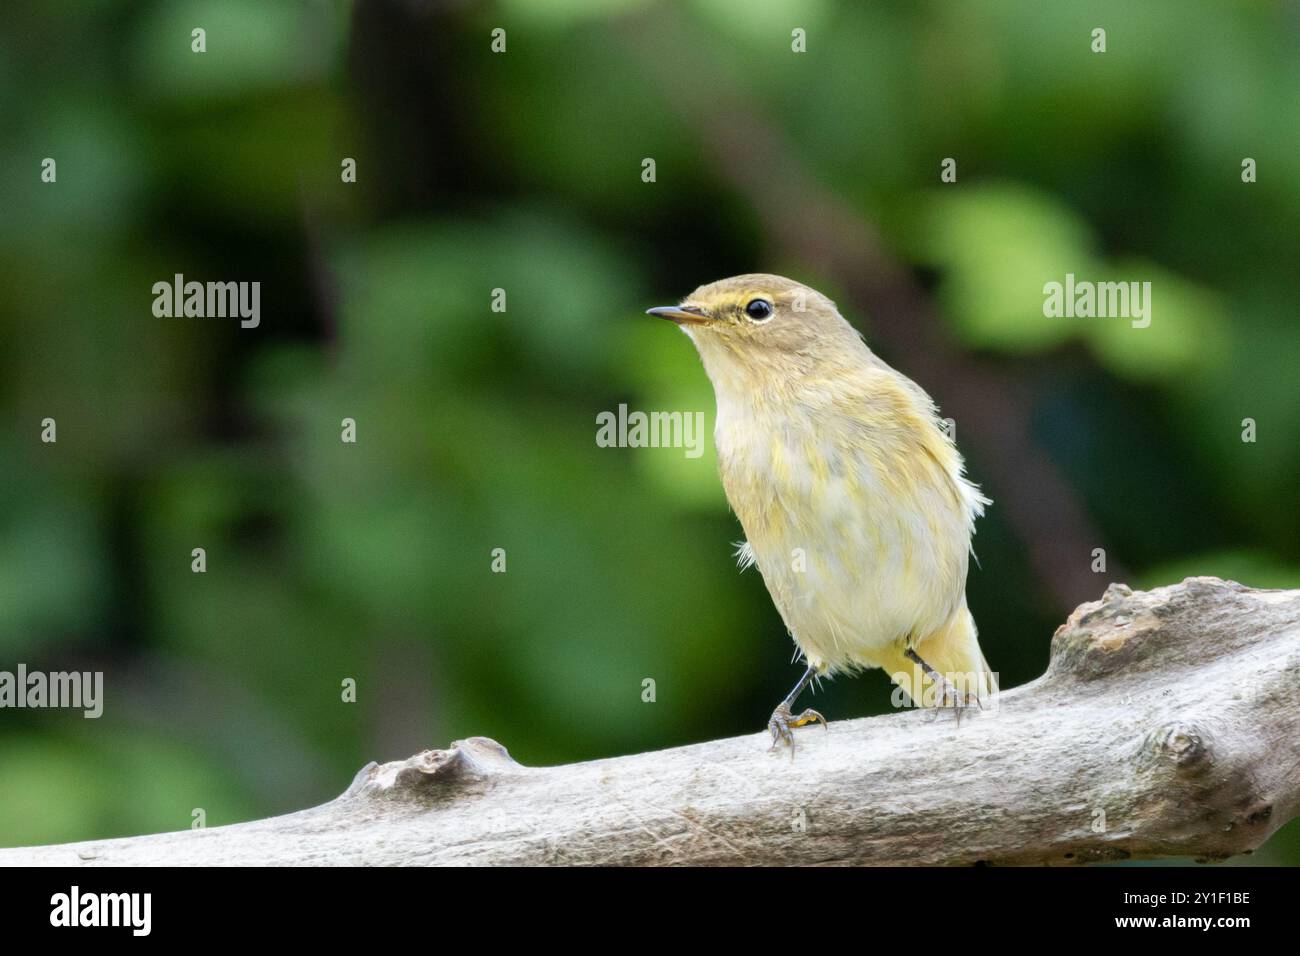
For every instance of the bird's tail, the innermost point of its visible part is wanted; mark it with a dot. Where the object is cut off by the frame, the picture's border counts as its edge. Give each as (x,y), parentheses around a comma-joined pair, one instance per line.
(954,652)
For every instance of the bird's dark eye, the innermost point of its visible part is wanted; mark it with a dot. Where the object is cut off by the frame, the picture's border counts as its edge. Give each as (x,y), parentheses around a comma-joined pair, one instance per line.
(759,310)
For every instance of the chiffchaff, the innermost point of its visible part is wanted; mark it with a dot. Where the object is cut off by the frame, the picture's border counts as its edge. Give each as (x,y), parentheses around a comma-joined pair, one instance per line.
(851,495)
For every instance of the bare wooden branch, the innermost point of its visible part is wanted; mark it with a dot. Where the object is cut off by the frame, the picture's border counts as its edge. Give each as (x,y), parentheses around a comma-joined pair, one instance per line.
(1167,724)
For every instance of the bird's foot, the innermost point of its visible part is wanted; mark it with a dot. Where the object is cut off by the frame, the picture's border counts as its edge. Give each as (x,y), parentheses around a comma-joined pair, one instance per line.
(942,693)
(782,723)
(947,695)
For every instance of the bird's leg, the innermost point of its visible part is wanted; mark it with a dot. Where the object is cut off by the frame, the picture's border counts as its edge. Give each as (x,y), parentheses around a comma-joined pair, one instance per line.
(783,721)
(944,688)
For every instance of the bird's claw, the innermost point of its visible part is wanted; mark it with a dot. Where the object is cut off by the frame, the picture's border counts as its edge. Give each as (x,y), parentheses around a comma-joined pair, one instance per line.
(948,696)
(782,723)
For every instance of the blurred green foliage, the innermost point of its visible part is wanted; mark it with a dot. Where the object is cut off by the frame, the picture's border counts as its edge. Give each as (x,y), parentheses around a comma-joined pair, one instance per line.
(476,429)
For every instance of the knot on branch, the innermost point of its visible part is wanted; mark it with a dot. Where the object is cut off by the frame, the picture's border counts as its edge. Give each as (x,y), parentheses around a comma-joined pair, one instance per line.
(1131,630)
(1207,802)
(1188,747)
(468,766)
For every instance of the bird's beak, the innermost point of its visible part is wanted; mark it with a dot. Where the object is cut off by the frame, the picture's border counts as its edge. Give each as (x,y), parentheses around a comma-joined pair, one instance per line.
(681,314)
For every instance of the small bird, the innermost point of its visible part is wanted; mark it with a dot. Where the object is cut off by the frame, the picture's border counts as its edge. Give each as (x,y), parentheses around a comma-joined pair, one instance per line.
(852,496)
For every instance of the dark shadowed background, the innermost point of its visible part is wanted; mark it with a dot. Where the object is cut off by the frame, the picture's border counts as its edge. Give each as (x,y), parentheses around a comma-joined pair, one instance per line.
(476,429)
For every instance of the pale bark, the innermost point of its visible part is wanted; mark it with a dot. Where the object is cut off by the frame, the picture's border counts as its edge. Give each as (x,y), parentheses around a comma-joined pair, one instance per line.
(1167,724)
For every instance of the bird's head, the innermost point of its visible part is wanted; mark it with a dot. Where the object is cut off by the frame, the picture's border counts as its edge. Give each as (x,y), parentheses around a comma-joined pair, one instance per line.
(755,329)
